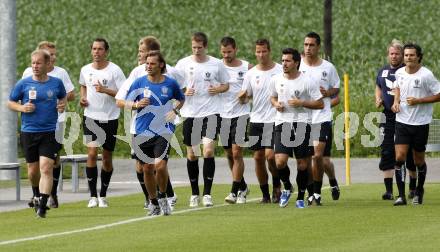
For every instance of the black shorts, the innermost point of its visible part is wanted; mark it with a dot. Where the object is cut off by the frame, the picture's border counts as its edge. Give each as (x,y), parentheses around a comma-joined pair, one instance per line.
(39,144)
(147,149)
(195,129)
(261,136)
(106,130)
(414,135)
(293,138)
(388,151)
(234,131)
(323,132)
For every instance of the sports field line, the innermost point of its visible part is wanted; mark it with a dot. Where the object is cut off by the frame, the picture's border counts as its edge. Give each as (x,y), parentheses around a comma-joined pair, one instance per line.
(99,227)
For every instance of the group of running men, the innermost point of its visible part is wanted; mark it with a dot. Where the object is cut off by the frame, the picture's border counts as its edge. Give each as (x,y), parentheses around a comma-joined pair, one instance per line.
(290,115)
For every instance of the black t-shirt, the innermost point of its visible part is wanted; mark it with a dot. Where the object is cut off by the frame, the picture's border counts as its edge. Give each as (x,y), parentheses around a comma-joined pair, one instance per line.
(385,81)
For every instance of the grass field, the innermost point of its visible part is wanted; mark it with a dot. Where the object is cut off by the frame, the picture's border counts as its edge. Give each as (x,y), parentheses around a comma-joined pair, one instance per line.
(361,32)
(359,221)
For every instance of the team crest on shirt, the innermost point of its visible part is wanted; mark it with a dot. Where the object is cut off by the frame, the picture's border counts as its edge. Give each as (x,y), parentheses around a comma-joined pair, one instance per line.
(240,75)
(324,75)
(417,83)
(257,79)
(49,94)
(297,93)
(104,82)
(164,91)
(207,76)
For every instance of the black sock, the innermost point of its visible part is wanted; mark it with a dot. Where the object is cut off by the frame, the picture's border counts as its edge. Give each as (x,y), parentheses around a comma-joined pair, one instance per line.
(105,182)
(208,174)
(140,177)
(92,179)
(276,182)
(161,195)
(235,187)
(36,191)
(400,173)
(243,184)
(193,174)
(285,177)
(412,183)
(265,190)
(170,190)
(333,182)
(421,174)
(309,188)
(317,185)
(388,185)
(154,202)
(56,177)
(302,178)
(43,200)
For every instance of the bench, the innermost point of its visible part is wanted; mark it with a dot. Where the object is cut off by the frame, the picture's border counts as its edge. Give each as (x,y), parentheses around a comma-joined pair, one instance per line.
(434,136)
(11,167)
(75,160)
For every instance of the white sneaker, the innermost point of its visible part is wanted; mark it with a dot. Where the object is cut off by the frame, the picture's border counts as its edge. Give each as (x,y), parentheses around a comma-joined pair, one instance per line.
(93,202)
(146,204)
(172,200)
(194,201)
(153,210)
(231,198)
(165,206)
(102,202)
(241,197)
(207,200)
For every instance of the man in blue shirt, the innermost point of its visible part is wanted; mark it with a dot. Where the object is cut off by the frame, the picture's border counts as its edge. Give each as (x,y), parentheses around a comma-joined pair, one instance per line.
(385,83)
(152,96)
(39,99)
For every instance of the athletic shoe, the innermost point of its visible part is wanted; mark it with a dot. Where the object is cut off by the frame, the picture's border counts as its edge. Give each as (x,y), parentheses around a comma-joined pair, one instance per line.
(411,194)
(265,200)
(207,200)
(165,206)
(102,202)
(300,204)
(241,197)
(231,198)
(335,192)
(418,198)
(172,200)
(387,196)
(276,195)
(154,210)
(53,201)
(285,197)
(246,191)
(36,204)
(41,212)
(317,198)
(400,201)
(93,202)
(310,200)
(194,201)
(31,202)
(146,205)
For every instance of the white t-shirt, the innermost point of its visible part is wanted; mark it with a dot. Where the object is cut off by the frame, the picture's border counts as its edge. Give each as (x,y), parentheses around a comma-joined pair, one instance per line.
(302,88)
(324,75)
(59,73)
(200,76)
(136,73)
(232,107)
(420,84)
(101,106)
(257,84)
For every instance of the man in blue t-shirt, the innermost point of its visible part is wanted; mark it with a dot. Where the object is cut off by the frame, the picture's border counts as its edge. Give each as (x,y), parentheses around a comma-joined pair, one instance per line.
(385,97)
(152,96)
(39,99)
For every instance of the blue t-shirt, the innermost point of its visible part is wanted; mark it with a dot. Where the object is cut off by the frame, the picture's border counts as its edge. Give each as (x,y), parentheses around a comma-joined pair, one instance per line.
(385,81)
(150,121)
(46,95)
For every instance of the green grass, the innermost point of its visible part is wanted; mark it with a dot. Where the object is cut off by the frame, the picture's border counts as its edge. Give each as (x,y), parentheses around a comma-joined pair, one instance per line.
(360,221)
(361,33)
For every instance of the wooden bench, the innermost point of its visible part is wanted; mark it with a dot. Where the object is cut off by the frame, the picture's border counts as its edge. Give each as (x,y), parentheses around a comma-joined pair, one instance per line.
(11,167)
(75,160)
